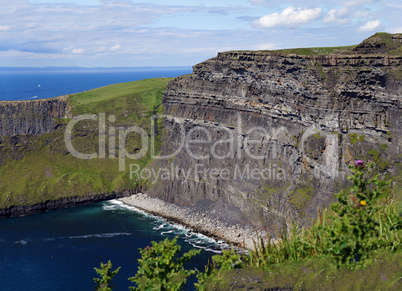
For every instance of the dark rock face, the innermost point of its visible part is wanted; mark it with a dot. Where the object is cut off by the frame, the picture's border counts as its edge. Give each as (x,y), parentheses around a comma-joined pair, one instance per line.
(299,120)
(65,202)
(31,117)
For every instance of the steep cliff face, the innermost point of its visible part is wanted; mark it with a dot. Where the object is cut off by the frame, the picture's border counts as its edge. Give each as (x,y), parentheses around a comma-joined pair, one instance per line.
(38,169)
(31,117)
(296,121)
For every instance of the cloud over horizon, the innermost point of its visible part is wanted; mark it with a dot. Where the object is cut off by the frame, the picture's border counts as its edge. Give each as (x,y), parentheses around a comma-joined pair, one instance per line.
(370,26)
(175,32)
(289,17)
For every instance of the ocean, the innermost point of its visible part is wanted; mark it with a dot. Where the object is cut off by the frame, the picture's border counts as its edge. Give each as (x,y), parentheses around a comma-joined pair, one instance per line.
(58,250)
(36,83)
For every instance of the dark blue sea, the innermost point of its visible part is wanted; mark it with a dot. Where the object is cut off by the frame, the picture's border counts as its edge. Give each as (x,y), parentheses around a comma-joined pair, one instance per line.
(58,250)
(38,83)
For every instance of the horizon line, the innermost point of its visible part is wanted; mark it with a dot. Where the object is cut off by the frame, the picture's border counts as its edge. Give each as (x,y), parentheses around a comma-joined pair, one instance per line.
(99,68)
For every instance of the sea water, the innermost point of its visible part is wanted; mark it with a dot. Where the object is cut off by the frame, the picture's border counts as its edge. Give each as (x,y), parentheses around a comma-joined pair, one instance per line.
(58,250)
(35,83)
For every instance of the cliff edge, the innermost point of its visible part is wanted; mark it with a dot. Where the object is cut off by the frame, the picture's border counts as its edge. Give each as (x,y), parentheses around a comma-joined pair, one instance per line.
(32,117)
(279,130)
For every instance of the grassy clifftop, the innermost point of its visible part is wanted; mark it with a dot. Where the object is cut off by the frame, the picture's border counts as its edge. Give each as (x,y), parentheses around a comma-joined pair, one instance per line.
(317,51)
(379,43)
(34,169)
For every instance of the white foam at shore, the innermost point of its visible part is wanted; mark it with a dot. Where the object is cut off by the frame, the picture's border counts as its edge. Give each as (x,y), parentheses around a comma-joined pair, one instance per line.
(202,241)
(237,234)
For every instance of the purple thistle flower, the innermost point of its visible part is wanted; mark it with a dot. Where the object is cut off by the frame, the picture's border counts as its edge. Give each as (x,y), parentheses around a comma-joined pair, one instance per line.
(359,164)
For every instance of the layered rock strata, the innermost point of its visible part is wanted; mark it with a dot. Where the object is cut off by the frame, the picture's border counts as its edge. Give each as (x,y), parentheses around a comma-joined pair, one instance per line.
(263,139)
(33,117)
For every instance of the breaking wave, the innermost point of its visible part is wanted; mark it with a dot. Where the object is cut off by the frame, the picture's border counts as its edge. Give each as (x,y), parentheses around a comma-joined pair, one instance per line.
(166,228)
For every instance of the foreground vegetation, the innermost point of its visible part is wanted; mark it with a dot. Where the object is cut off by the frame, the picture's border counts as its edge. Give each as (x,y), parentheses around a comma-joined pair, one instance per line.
(40,168)
(358,247)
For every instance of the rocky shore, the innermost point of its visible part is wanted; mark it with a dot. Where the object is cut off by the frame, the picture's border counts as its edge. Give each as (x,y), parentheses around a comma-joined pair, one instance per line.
(235,234)
(64,202)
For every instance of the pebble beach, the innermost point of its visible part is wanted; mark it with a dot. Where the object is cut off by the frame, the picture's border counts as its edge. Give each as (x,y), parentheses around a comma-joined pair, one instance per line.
(239,236)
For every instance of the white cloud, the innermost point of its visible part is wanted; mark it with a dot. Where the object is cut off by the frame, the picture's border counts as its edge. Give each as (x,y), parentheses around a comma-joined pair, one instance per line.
(174,32)
(370,25)
(340,16)
(394,5)
(289,17)
(115,47)
(330,17)
(265,46)
(343,21)
(78,51)
(343,11)
(350,12)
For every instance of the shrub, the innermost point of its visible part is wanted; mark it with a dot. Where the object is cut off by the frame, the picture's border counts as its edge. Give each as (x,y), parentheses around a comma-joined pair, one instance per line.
(106,275)
(362,223)
(229,260)
(293,245)
(160,268)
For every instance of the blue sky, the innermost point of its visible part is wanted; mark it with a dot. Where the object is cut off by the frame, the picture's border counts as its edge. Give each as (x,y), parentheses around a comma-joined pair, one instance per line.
(129,33)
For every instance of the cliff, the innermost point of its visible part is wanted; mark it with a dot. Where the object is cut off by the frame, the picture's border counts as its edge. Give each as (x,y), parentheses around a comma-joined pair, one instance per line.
(33,117)
(37,170)
(308,117)
(258,138)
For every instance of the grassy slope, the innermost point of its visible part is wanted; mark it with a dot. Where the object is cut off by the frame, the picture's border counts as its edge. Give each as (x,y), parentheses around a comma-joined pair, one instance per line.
(311,51)
(384,273)
(48,171)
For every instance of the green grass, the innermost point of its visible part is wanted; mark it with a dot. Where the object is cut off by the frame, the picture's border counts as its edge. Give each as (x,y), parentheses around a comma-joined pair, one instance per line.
(44,170)
(153,87)
(384,40)
(397,73)
(398,187)
(354,138)
(384,273)
(301,196)
(316,51)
